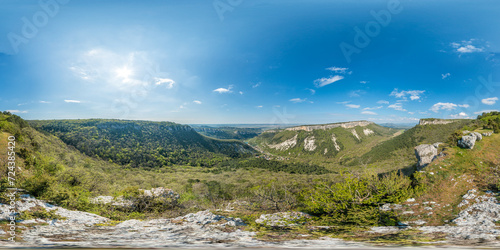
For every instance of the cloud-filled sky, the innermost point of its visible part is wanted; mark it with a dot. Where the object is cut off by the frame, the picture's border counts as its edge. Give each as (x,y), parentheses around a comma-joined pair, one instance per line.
(259,61)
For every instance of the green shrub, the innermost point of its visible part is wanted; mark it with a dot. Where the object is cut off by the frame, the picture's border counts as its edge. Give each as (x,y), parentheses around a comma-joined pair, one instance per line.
(356,200)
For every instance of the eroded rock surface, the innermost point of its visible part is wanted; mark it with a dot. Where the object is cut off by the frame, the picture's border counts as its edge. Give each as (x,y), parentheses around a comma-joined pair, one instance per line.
(425,154)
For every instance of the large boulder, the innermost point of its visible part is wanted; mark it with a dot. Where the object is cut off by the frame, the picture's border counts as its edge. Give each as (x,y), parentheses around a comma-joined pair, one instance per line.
(283,219)
(477,135)
(425,154)
(467,142)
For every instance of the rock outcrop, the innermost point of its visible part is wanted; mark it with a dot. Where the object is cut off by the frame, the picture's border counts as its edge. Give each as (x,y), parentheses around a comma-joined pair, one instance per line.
(488,133)
(309,144)
(159,195)
(283,219)
(477,135)
(333,125)
(285,145)
(425,154)
(467,142)
(434,121)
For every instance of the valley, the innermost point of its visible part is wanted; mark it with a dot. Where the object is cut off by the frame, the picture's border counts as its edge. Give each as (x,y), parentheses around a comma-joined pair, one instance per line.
(307,168)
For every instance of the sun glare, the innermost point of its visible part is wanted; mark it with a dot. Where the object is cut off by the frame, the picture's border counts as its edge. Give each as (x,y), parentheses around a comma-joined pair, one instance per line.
(124,72)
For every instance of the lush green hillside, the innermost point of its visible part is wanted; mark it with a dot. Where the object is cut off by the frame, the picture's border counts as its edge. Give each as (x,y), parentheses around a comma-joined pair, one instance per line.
(143,143)
(490,120)
(330,144)
(402,146)
(228,132)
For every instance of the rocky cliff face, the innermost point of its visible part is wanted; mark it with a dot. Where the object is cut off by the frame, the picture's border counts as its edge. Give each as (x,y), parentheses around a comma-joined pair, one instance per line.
(434,122)
(333,125)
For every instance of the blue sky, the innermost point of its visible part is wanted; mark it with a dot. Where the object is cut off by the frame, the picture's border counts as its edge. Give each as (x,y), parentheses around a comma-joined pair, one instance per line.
(242,61)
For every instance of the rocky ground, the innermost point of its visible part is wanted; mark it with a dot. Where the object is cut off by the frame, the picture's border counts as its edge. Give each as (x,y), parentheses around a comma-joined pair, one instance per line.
(202,229)
(476,223)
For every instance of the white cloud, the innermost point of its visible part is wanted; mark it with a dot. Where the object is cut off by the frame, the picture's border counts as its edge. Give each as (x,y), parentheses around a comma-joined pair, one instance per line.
(444,76)
(260,106)
(461,115)
(466,46)
(411,113)
(397,106)
(443,105)
(72,101)
(353,106)
(256,85)
(15,111)
(485,111)
(197,102)
(414,94)
(356,93)
(383,102)
(345,102)
(338,70)
(241,92)
(297,100)
(312,91)
(463,105)
(373,108)
(326,81)
(368,113)
(490,101)
(169,82)
(364,82)
(224,90)
(44,102)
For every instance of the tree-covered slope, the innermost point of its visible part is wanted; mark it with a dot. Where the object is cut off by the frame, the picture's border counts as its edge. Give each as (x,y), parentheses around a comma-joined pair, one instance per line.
(329,141)
(228,132)
(402,146)
(142,143)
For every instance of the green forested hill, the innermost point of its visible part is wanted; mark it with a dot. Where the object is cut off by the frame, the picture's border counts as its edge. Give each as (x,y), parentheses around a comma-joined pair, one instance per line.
(329,142)
(401,147)
(142,143)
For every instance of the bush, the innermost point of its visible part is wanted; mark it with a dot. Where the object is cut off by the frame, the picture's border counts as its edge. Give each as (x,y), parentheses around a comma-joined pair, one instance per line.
(356,200)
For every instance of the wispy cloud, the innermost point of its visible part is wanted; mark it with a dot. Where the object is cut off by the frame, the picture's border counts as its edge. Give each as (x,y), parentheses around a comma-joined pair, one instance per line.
(298,100)
(224,90)
(72,101)
(197,102)
(356,93)
(444,76)
(464,105)
(397,106)
(383,102)
(312,91)
(364,82)
(461,115)
(15,111)
(169,83)
(467,46)
(442,106)
(45,102)
(259,107)
(353,106)
(490,101)
(338,70)
(327,80)
(368,113)
(373,108)
(413,94)
(241,92)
